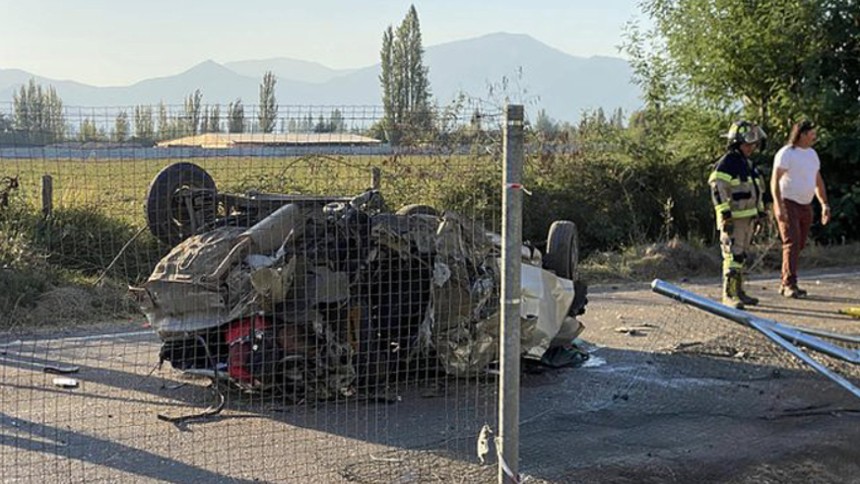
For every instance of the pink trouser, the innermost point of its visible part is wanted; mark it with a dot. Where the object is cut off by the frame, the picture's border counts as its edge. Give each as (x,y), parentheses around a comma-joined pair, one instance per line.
(794,233)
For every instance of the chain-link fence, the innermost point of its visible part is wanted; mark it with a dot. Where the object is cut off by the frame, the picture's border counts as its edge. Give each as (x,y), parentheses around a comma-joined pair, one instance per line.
(186,298)
(318,302)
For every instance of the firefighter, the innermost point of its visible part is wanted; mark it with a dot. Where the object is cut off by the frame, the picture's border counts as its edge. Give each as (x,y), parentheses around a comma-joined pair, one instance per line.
(737,189)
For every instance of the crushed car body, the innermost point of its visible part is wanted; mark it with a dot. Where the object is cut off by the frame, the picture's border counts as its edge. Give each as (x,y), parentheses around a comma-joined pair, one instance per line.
(330,297)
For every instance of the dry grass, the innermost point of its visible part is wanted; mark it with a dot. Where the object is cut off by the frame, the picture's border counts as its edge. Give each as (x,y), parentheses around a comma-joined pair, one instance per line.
(676,259)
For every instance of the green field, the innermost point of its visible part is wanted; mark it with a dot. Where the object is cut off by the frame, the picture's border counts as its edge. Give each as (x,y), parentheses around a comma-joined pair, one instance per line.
(95,242)
(117,188)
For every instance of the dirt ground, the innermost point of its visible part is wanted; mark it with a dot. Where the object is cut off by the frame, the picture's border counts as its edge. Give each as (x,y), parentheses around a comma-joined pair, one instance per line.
(670,394)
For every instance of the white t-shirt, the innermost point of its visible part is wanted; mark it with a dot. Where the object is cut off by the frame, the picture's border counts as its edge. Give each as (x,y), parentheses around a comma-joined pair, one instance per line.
(801,166)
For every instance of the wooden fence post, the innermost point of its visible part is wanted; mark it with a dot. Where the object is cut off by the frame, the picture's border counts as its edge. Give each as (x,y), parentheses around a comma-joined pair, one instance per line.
(47,195)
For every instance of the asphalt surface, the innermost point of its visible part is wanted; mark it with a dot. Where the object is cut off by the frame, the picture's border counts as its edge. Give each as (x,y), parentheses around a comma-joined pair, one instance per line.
(670,394)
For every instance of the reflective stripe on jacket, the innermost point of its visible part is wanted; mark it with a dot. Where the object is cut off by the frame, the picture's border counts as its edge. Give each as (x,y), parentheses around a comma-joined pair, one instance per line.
(737,188)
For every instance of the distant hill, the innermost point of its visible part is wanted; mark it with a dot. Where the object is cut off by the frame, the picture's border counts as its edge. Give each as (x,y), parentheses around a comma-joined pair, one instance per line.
(285,68)
(538,75)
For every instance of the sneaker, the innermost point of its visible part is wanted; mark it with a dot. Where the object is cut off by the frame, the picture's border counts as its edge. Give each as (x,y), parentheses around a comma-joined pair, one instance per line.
(792,292)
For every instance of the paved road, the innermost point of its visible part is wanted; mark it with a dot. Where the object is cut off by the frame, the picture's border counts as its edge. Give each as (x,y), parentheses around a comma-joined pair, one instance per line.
(685,397)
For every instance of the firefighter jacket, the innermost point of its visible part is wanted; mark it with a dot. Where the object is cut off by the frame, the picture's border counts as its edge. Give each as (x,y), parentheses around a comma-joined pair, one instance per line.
(737,188)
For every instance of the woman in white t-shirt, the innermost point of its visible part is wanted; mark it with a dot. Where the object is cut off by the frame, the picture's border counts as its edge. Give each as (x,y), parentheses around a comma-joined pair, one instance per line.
(796,180)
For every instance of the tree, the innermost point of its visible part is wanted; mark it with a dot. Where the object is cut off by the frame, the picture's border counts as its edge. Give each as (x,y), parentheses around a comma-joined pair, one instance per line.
(729,51)
(89,132)
(5,123)
(236,117)
(268,112)
(772,61)
(617,119)
(214,124)
(164,131)
(337,122)
(121,127)
(387,80)
(204,120)
(7,131)
(321,126)
(405,81)
(38,114)
(192,112)
(545,125)
(144,129)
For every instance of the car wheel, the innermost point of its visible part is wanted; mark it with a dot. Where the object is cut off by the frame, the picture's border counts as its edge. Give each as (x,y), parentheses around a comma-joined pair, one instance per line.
(562,250)
(417,209)
(167,212)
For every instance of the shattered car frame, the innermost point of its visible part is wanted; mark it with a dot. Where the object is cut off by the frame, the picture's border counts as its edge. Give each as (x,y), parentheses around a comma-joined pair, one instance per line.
(324,296)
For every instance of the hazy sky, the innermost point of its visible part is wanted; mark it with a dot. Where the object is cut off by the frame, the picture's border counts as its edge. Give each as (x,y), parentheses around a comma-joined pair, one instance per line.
(119,42)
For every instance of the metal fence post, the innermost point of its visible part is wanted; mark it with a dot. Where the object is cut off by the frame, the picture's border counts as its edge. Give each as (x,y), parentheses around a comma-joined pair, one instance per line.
(512,237)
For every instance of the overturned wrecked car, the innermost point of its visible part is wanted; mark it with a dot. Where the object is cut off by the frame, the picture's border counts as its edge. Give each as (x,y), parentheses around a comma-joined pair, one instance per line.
(326,296)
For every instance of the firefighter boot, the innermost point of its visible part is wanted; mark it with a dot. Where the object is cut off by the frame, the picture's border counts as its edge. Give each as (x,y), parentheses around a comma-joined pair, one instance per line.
(731,290)
(743,296)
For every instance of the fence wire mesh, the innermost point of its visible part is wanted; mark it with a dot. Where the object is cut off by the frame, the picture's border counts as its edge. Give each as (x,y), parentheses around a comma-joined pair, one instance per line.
(316,309)
(303,326)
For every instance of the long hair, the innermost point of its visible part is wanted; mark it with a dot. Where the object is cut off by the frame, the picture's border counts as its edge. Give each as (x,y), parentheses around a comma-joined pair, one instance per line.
(798,129)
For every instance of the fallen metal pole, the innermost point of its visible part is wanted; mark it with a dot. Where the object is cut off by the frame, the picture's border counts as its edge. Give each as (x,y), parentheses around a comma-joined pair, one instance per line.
(785,336)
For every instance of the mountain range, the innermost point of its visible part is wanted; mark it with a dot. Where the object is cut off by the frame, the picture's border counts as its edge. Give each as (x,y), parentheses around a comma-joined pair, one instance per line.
(490,67)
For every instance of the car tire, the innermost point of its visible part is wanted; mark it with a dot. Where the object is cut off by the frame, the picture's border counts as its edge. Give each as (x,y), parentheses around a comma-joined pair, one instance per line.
(166,218)
(562,250)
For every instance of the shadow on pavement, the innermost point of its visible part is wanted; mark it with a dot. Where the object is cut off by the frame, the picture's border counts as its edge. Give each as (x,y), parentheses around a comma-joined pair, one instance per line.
(682,411)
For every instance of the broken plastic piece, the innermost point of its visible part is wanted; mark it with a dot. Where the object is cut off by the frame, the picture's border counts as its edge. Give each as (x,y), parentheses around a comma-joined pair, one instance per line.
(64,382)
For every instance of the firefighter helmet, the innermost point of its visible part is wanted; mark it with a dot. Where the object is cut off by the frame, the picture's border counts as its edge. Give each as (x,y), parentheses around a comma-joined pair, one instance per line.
(742,132)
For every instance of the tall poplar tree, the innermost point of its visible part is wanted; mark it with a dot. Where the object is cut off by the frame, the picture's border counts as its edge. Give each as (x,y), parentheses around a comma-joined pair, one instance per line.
(268,112)
(38,114)
(215,119)
(192,112)
(121,127)
(144,128)
(405,81)
(236,117)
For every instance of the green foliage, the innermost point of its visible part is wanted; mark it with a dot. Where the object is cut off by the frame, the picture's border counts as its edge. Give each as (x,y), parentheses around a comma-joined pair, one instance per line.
(144,129)
(727,50)
(38,115)
(405,83)
(167,129)
(211,122)
(545,125)
(236,117)
(24,273)
(88,131)
(121,127)
(268,112)
(709,62)
(173,126)
(191,118)
(614,186)
(85,240)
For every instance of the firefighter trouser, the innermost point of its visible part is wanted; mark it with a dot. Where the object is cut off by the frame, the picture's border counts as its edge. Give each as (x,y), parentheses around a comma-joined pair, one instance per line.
(735,240)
